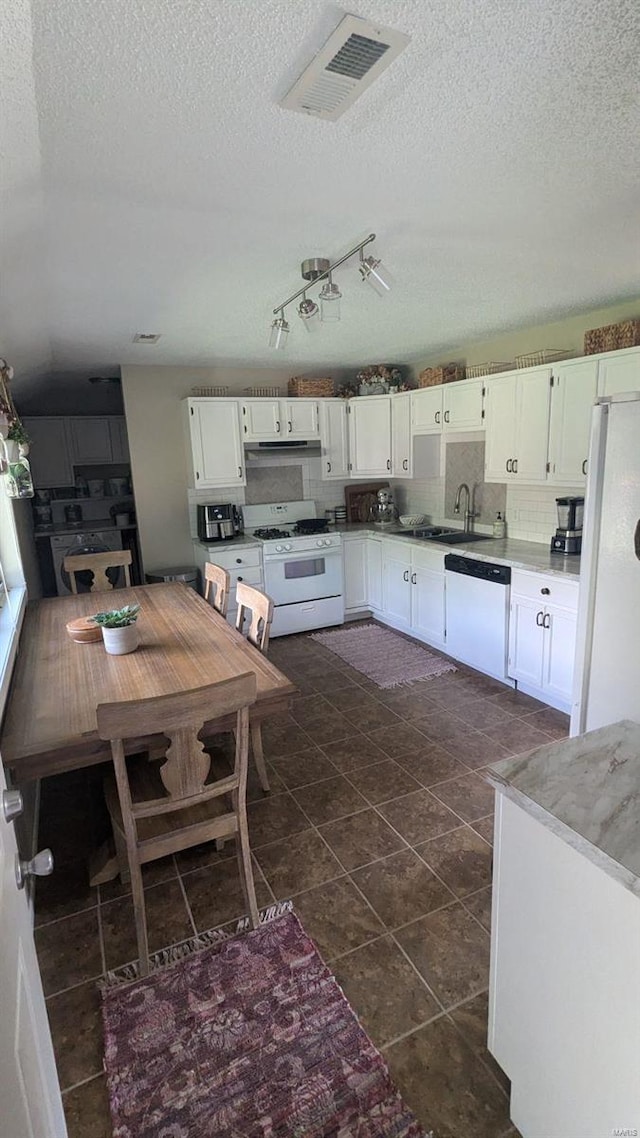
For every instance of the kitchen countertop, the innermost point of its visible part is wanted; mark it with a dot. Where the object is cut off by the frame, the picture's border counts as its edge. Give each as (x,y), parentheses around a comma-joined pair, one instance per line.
(587,791)
(231,543)
(530,555)
(89,525)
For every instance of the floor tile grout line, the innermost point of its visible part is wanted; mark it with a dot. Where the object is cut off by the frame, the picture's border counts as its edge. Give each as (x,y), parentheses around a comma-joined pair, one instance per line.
(186,901)
(93,979)
(103,953)
(82,1083)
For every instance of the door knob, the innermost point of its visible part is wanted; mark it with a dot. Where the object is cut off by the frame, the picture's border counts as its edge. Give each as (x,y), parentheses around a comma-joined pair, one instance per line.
(12,804)
(40,866)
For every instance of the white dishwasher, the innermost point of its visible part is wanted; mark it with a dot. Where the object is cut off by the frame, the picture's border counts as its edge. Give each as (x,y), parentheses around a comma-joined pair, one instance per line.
(477,608)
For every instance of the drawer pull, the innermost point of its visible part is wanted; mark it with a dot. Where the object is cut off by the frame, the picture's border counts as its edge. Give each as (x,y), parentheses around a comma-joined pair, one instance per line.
(238,561)
(546,592)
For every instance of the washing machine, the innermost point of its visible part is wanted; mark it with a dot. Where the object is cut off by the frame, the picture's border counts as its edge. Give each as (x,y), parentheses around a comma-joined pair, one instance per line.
(100,541)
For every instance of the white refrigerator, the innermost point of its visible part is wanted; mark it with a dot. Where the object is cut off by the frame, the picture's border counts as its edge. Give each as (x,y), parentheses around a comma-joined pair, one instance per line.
(607,674)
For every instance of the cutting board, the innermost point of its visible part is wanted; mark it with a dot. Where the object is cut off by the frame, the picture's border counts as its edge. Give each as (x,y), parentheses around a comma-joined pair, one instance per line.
(359,500)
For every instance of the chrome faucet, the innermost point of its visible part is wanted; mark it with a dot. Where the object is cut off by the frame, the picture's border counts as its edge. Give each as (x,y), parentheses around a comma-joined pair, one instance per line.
(469,513)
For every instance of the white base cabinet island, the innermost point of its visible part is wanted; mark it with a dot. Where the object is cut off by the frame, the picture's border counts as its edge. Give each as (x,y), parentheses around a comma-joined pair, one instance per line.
(564,1001)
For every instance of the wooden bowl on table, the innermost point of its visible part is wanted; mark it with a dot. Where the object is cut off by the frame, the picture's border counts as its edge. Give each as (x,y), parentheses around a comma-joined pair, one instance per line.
(83,630)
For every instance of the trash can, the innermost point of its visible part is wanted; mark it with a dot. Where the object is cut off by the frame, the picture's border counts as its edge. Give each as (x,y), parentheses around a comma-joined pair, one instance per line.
(186,573)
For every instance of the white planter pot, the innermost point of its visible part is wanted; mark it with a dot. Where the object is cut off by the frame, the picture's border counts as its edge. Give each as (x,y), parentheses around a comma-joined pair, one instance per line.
(119,641)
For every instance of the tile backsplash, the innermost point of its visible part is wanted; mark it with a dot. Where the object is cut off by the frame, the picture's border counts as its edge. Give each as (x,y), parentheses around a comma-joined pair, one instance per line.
(465,463)
(532,513)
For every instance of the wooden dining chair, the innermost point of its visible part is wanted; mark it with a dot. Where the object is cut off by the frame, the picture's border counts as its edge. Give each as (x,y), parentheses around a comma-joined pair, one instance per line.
(98,563)
(257,608)
(219,581)
(159,810)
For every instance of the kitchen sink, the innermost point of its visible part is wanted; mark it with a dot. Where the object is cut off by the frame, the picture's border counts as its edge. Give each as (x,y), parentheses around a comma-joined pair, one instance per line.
(459,537)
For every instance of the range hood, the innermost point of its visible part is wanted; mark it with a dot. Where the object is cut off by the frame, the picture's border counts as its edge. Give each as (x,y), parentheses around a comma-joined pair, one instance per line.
(286,446)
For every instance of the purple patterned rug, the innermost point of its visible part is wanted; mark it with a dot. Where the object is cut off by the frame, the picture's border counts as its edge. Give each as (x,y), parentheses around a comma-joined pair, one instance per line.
(383,655)
(251,1038)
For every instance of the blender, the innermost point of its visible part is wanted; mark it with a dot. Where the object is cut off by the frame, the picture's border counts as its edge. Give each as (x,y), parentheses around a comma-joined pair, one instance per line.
(568,536)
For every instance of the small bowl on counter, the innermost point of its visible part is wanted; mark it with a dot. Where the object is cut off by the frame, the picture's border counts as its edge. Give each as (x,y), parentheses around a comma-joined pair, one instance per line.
(83,630)
(410,521)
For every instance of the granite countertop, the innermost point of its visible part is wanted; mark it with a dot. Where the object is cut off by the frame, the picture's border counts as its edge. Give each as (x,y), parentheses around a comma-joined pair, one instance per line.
(89,525)
(531,555)
(587,791)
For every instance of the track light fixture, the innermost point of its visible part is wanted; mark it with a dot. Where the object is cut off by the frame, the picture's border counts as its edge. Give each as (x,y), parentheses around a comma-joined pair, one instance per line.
(316,269)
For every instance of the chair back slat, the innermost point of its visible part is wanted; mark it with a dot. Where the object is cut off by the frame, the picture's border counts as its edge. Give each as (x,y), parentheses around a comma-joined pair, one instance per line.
(98,564)
(218,580)
(259,607)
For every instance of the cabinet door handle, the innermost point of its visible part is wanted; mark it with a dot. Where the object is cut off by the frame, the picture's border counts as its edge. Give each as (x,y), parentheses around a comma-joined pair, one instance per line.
(328,468)
(539,619)
(446,416)
(437,417)
(584,466)
(405,464)
(546,622)
(388,464)
(197,475)
(239,472)
(414,579)
(289,426)
(545,592)
(277,426)
(507,465)
(405,576)
(514,466)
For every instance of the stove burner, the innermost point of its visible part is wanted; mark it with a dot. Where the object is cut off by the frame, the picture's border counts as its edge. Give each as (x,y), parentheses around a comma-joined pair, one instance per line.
(266,534)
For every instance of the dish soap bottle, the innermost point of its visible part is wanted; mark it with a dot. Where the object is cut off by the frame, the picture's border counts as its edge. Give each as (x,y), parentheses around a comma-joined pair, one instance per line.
(499,526)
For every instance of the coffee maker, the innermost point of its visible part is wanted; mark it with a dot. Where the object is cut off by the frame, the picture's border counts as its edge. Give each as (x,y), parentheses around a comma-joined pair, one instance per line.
(218,523)
(568,536)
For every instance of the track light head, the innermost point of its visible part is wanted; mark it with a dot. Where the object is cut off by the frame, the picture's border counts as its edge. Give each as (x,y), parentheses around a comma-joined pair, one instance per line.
(279,333)
(375,274)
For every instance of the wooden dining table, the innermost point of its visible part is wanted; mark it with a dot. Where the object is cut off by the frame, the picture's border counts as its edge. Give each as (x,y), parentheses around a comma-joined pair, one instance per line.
(50,721)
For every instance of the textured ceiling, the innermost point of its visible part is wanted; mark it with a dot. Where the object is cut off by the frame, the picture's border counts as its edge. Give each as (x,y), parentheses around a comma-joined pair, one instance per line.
(496,159)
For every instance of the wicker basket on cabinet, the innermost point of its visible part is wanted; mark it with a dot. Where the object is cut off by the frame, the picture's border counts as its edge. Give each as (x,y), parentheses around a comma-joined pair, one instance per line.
(612,337)
(300,387)
(446,373)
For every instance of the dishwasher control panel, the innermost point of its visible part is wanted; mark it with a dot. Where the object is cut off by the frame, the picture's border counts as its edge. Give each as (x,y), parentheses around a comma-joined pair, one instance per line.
(482,570)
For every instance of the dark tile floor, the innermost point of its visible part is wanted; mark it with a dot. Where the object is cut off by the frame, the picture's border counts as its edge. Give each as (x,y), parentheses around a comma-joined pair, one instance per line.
(378,825)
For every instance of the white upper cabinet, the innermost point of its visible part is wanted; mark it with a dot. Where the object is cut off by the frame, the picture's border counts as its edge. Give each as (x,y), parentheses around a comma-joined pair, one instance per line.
(335,444)
(301,419)
(370,436)
(214,443)
(426,410)
(401,437)
(89,439)
(517,424)
(266,420)
(463,405)
(619,372)
(119,439)
(262,420)
(572,395)
(49,456)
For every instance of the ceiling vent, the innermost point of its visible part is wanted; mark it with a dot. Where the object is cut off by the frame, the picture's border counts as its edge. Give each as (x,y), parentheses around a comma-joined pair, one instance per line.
(146,337)
(350,61)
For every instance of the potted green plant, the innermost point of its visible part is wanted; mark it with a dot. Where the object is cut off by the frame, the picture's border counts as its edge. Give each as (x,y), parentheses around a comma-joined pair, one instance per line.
(119,630)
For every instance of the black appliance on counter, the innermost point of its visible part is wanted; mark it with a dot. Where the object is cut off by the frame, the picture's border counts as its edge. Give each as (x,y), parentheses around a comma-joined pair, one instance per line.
(568,536)
(219,523)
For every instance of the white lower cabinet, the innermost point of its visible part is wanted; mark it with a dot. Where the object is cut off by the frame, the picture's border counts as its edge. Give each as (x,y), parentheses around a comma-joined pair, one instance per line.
(354,552)
(413,590)
(542,636)
(374,572)
(242,562)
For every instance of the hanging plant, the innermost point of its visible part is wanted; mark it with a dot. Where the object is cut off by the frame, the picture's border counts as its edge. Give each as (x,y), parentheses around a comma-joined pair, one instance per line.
(14,442)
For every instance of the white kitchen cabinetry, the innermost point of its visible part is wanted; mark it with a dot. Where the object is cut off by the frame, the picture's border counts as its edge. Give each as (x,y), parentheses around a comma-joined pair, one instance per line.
(214,446)
(426,410)
(401,438)
(369,436)
(335,442)
(396,584)
(268,420)
(517,426)
(542,636)
(89,440)
(619,371)
(354,551)
(413,590)
(242,562)
(49,456)
(463,405)
(119,440)
(572,395)
(374,572)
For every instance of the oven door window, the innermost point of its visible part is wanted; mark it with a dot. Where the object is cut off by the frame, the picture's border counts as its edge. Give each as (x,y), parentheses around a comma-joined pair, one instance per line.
(309,567)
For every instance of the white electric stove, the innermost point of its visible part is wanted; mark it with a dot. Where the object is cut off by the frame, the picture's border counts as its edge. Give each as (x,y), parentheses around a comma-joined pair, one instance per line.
(303,571)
